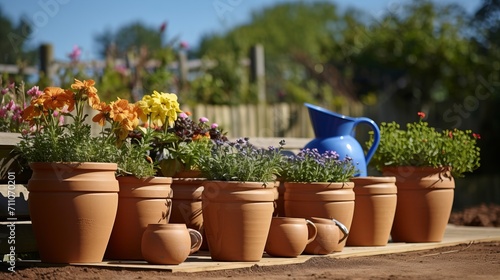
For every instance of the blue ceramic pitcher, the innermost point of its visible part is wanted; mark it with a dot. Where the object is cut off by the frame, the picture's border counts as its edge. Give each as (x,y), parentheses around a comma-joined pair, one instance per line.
(335,132)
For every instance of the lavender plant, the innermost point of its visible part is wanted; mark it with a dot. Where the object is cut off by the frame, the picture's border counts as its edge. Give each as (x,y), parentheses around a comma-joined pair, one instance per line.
(242,161)
(309,165)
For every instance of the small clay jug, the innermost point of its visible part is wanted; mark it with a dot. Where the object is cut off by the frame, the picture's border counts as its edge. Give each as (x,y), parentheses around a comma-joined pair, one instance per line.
(169,243)
(288,237)
(328,236)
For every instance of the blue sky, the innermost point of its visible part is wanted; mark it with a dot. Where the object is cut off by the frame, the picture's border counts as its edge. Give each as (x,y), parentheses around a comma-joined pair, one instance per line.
(66,23)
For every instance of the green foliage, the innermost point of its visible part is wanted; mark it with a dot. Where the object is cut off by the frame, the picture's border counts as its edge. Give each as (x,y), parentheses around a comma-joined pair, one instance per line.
(422,145)
(181,147)
(311,166)
(130,37)
(241,161)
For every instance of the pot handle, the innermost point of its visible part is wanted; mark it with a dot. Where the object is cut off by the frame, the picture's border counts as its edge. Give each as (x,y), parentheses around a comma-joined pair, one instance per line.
(196,240)
(312,230)
(343,229)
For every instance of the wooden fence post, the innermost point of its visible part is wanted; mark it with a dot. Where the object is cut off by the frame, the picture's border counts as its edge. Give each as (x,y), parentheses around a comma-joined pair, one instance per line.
(258,71)
(46,59)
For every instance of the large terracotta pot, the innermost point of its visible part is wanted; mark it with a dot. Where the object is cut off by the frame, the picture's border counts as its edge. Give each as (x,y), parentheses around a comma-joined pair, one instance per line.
(322,200)
(141,202)
(288,237)
(237,217)
(425,200)
(72,207)
(169,243)
(376,199)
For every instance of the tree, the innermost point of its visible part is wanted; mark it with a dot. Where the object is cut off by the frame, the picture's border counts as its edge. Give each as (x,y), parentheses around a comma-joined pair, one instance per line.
(130,37)
(13,48)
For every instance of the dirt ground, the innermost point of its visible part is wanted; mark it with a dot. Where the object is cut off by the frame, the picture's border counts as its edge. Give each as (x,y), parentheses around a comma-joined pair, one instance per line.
(465,261)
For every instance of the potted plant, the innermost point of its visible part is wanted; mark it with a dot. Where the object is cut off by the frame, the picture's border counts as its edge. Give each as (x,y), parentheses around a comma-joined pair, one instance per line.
(177,150)
(238,198)
(318,185)
(73,173)
(143,198)
(425,162)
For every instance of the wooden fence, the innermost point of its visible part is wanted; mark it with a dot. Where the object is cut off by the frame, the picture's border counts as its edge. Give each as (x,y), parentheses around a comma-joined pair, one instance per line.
(261,121)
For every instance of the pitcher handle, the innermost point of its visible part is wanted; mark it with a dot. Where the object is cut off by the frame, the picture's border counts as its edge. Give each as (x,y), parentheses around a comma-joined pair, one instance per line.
(312,231)
(376,134)
(196,240)
(343,229)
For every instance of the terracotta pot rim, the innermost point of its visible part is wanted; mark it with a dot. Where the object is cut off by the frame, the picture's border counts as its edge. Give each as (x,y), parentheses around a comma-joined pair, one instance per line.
(259,185)
(378,179)
(79,165)
(152,179)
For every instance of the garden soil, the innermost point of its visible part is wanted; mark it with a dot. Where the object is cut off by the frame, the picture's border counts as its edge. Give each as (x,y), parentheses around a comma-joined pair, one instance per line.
(465,261)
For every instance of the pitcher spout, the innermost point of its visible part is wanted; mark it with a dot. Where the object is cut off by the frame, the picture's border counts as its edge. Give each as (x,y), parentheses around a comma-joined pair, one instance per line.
(329,124)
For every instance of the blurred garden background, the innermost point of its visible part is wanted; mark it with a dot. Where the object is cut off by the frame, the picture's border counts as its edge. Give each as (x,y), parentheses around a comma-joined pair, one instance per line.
(253,78)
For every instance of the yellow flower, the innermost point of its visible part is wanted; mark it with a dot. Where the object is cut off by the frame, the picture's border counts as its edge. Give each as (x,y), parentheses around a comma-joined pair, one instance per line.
(160,107)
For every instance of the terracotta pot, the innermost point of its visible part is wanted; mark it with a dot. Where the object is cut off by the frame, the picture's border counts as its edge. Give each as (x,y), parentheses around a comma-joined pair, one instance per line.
(186,203)
(425,200)
(141,202)
(279,207)
(374,210)
(169,243)
(288,237)
(330,233)
(72,207)
(236,218)
(323,200)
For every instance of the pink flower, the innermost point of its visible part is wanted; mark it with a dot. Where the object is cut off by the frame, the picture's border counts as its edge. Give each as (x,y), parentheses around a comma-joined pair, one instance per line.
(75,54)
(184,45)
(203,120)
(34,92)
(183,115)
(214,126)
(421,115)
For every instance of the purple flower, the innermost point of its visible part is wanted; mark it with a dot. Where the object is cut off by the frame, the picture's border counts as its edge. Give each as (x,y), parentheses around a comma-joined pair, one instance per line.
(214,126)
(203,120)
(183,115)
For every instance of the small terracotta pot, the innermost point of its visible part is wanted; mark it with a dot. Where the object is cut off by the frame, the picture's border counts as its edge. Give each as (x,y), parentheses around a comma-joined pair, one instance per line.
(374,210)
(169,243)
(288,237)
(330,233)
(425,200)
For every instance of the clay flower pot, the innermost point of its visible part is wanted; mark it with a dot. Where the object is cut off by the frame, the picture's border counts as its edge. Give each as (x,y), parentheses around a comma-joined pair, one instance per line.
(288,237)
(141,202)
(237,217)
(425,200)
(169,244)
(323,200)
(376,199)
(72,208)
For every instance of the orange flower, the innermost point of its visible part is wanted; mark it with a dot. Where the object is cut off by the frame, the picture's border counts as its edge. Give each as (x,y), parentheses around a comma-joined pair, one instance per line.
(54,98)
(88,91)
(104,110)
(31,112)
(124,113)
